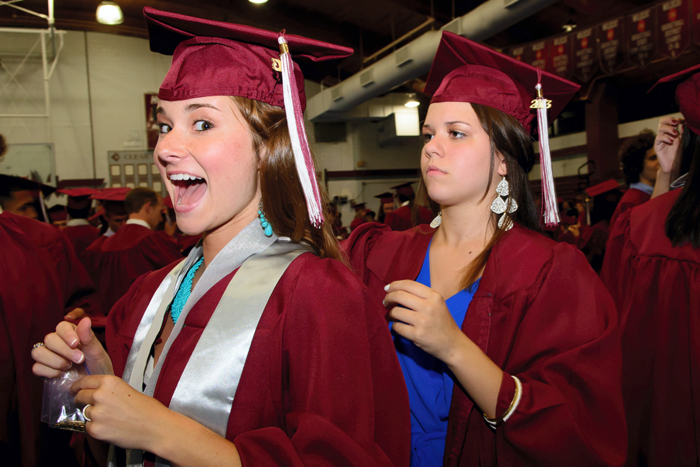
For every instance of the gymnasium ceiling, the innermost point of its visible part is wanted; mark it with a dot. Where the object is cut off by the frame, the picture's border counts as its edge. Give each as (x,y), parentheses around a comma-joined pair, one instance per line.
(365,25)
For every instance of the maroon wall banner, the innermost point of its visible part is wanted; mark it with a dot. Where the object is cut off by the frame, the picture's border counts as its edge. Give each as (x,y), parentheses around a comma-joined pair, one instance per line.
(520,53)
(641,36)
(539,54)
(584,54)
(673,27)
(696,21)
(611,45)
(561,56)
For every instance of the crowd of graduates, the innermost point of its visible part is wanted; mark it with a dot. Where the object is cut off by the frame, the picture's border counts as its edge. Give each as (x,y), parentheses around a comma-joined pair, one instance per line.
(551,365)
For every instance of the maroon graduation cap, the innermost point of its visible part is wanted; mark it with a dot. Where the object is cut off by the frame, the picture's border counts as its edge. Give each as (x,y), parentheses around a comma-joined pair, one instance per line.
(13,181)
(404,189)
(601,188)
(78,198)
(213,58)
(359,207)
(687,95)
(111,194)
(464,71)
(385,197)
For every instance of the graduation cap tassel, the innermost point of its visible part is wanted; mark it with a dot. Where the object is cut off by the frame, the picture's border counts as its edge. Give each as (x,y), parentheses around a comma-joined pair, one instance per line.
(549,196)
(297,133)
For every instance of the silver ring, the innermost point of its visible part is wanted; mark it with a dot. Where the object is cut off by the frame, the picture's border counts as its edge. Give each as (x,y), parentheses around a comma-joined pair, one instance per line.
(84,411)
(37,345)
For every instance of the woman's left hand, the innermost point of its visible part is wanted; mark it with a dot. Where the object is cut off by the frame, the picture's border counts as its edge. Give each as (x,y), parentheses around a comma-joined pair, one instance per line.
(119,414)
(421,315)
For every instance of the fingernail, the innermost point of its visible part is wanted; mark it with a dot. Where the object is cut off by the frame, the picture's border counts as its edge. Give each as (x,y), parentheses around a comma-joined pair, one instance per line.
(78,356)
(386,287)
(74,342)
(384,302)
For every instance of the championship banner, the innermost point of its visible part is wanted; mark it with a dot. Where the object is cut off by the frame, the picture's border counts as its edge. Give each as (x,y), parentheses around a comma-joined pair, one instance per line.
(641,36)
(673,27)
(584,54)
(539,54)
(561,56)
(611,45)
(520,53)
(695,16)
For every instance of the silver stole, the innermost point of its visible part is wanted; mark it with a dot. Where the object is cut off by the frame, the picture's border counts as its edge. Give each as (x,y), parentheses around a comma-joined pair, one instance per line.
(209,382)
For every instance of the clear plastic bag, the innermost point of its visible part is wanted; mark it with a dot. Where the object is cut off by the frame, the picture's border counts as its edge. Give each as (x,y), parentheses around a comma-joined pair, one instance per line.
(58,407)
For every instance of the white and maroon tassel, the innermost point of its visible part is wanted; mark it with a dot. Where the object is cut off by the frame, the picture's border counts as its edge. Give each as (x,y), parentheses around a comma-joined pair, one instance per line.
(549,196)
(297,134)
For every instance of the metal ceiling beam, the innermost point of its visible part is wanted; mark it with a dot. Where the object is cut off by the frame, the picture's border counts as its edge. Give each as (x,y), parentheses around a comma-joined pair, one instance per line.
(414,59)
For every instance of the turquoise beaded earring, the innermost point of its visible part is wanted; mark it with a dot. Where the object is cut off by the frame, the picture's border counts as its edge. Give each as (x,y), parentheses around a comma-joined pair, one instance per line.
(264,222)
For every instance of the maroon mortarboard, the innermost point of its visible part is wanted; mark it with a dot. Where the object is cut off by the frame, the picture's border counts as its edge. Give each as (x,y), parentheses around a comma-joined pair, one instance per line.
(601,188)
(385,198)
(10,182)
(168,202)
(111,194)
(464,71)
(78,192)
(78,198)
(404,188)
(98,213)
(687,95)
(213,58)
(359,206)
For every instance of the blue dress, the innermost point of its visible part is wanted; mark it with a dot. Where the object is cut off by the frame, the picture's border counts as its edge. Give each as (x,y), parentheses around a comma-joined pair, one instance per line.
(429,383)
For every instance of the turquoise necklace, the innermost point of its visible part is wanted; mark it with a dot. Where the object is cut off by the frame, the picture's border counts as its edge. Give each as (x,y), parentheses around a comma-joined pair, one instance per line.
(183,293)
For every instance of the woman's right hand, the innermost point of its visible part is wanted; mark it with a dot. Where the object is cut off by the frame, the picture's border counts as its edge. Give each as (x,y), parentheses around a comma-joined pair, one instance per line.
(668,138)
(68,345)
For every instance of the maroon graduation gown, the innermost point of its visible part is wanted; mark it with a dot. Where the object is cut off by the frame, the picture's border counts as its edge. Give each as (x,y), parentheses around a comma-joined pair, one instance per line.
(31,305)
(81,237)
(657,290)
(541,314)
(78,289)
(630,199)
(321,384)
(400,219)
(117,261)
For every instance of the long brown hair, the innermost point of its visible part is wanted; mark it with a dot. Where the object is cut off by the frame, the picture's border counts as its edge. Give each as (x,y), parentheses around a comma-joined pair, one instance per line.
(282,194)
(510,139)
(683,221)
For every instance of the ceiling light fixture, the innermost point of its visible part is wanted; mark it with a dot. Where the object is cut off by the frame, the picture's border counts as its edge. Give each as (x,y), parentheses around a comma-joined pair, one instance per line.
(412,101)
(109,13)
(257,1)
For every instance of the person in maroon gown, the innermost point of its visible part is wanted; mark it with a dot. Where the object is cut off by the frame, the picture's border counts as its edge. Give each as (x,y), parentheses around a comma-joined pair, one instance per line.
(360,217)
(652,269)
(78,230)
(134,250)
(408,214)
(262,347)
(386,205)
(532,366)
(34,297)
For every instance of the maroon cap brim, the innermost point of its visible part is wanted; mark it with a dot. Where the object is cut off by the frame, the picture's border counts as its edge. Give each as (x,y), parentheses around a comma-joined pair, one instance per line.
(166,30)
(680,75)
(78,192)
(601,188)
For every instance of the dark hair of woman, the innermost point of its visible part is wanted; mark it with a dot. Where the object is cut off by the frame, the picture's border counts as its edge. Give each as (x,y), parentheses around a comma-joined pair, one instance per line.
(282,194)
(633,152)
(509,138)
(683,222)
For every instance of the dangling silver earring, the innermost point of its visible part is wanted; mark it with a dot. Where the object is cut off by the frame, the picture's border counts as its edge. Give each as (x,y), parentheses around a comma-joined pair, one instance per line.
(264,223)
(437,221)
(500,206)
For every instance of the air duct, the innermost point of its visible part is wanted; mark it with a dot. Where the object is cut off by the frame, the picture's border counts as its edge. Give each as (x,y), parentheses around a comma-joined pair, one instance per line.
(414,59)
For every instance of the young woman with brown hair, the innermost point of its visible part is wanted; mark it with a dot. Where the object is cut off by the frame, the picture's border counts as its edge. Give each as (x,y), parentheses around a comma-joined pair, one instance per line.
(261,348)
(652,270)
(508,341)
